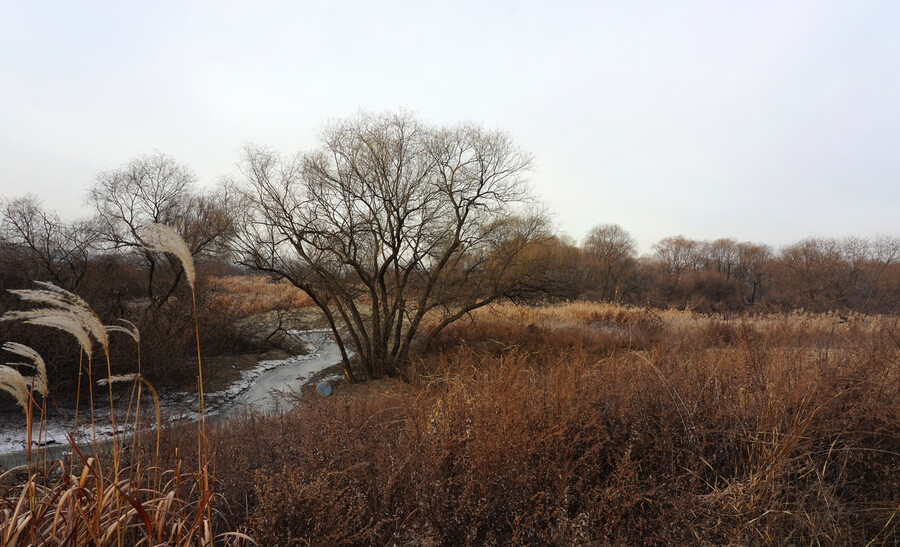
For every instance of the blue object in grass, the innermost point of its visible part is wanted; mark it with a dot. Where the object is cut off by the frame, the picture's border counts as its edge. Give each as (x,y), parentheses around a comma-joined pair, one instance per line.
(324,389)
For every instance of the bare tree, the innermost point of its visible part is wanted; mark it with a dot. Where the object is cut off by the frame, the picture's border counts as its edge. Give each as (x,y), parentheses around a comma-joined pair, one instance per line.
(552,267)
(39,237)
(677,255)
(613,250)
(882,288)
(752,266)
(721,256)
(849,273)
(393,227)
(157,189)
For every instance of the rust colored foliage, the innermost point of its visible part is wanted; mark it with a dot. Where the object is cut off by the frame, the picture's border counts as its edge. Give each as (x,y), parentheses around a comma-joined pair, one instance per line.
(592,424)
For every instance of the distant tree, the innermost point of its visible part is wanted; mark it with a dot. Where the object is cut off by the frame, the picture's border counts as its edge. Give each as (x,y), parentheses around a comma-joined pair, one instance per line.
(881,290)
(721,256)
(550,267)
(814,274)
(733,271)
(157,189)
(613,252)
(677,255)
(719,275)
(394,227)
(752,265)
(850,273)
(39,239)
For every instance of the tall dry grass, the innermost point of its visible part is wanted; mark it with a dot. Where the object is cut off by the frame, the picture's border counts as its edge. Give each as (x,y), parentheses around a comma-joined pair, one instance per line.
(255,294)
(592,424)
(567,424)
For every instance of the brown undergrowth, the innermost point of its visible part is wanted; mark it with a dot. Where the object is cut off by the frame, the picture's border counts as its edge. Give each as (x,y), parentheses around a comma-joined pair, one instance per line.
(254,294)
(591,424)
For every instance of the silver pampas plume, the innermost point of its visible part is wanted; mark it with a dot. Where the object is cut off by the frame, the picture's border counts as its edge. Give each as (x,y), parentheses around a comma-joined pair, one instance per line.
(66,312)
(37,362)
(163,239)
(12,382)
(130,329)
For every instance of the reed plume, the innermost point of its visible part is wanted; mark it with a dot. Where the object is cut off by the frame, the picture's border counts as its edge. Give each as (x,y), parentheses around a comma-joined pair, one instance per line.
(161,238)
(64,320)
(119,379)
(62,299)
(38,380)
(12,382)
(130,329)
(70,313)
(37,362)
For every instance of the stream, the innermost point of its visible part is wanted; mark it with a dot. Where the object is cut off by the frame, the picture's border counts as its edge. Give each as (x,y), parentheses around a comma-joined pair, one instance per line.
(262,388)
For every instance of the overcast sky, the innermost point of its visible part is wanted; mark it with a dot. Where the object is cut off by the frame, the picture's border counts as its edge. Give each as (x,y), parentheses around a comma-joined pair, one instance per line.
(763,121)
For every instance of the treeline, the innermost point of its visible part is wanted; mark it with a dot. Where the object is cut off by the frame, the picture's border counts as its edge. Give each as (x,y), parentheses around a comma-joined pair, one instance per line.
(816,274)
(103,259)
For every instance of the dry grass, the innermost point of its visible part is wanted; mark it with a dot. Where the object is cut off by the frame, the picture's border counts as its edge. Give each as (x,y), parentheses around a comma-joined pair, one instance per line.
(256,294)
(80,509)
(593,424)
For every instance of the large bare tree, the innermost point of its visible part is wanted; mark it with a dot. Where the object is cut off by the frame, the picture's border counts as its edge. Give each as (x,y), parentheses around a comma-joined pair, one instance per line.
(394,227)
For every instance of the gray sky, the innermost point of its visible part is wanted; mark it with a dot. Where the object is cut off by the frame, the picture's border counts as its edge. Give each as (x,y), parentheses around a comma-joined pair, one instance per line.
(763,121)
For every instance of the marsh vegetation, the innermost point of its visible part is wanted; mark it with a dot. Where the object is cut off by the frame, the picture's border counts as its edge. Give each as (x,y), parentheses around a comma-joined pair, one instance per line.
(499,383)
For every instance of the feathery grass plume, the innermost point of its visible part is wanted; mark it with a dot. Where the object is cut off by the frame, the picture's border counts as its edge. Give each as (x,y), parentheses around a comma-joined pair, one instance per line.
(60,298)
(119,378)
(12,382)
(133,332)
(51,294)
(64,320)
(161,238)
(40,379)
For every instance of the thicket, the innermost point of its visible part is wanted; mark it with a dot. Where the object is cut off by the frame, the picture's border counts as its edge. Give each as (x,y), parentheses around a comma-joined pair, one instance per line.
(725,276)
(115,290)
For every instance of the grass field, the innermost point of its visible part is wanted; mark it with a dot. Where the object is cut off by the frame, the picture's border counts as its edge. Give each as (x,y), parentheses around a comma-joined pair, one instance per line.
(588,423)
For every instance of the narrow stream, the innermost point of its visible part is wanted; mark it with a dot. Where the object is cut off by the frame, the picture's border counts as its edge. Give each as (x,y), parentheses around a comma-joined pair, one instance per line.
(261,388)
(264,392)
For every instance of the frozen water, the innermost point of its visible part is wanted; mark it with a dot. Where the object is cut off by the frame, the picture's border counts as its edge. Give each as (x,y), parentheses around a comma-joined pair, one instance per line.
(261,388)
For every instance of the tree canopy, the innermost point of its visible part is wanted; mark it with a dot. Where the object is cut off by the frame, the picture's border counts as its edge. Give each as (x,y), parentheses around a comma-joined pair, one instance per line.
(394,227)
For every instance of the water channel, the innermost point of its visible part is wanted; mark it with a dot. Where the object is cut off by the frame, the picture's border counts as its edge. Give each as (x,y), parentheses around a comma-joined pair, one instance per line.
(268,387)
